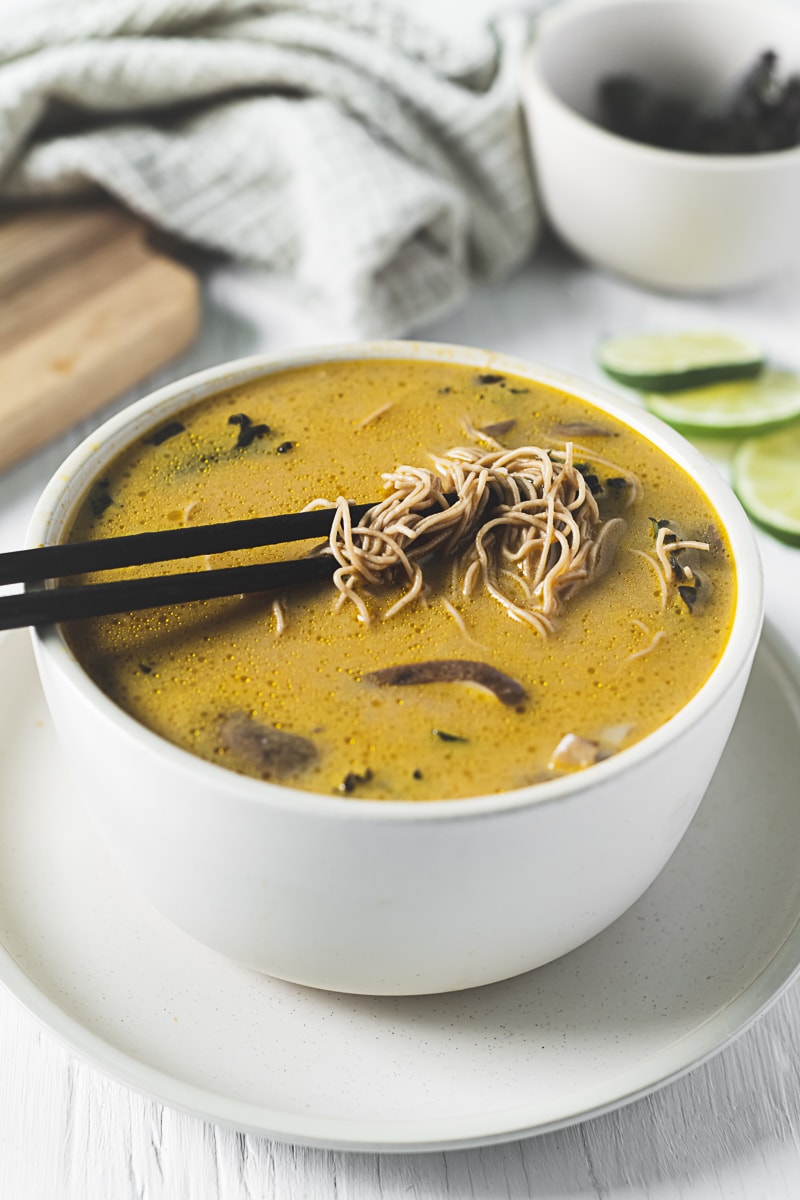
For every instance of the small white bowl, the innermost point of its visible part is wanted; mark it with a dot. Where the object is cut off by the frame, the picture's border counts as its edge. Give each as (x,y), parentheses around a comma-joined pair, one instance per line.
(673,221)
(388,897)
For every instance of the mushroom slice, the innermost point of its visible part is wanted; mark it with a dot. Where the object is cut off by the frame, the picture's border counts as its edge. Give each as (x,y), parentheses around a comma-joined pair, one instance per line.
(273,753)
(573,753)
(711,535)
(696,595)
(452,670)
(499,428)
(605,548)
(581,429)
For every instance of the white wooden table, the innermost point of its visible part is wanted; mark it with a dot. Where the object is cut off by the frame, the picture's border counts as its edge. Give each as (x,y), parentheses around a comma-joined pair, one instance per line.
(729,1129)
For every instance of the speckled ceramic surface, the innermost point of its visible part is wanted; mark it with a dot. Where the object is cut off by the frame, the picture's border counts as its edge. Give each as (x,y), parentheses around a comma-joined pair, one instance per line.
(697,958)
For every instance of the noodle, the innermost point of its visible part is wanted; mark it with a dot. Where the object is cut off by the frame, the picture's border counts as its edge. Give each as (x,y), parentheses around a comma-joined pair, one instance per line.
(521,521)
(375,415)
(668,543)
(662,583)
(657,637)
(279,615)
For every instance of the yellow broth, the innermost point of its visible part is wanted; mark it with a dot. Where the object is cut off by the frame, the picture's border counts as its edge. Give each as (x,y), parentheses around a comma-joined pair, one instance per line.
(332,430)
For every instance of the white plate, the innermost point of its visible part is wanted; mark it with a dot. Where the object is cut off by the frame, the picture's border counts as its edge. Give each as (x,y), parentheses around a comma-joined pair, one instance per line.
(705,950)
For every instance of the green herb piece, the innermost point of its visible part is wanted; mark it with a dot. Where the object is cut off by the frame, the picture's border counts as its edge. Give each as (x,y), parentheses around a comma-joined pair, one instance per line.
(677,570)
(100,503)
(165,433)
(448,737)
(352,779)
(248,432)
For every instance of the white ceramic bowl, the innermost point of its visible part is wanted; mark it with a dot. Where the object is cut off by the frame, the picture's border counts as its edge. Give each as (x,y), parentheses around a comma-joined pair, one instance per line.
(673,221)
(388,897)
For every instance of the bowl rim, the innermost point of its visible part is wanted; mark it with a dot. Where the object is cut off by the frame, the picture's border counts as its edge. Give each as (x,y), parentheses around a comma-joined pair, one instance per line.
(82,465)
(532,80)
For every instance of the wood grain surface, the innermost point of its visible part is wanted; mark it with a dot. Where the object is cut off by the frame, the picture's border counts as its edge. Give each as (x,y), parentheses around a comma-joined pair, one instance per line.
(87,309)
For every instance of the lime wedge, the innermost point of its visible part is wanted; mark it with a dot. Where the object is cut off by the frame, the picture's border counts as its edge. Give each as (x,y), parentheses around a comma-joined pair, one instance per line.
(666,362)
(739,406)
(766,478)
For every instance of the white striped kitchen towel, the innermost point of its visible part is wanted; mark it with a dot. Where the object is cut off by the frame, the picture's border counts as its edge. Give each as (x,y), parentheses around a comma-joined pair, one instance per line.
(378,165)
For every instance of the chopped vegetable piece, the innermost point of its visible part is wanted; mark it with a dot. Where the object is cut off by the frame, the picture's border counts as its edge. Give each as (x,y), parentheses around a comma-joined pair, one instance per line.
(285,447)
(741,406)
(271,752)
(448,737)
(766,478)
(667,362)
(614,735)
(489,379)
(452,670)
(573,753)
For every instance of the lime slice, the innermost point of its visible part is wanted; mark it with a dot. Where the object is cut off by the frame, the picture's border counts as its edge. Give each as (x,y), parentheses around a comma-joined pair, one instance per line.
(665,362)
(739,406)
(766,477)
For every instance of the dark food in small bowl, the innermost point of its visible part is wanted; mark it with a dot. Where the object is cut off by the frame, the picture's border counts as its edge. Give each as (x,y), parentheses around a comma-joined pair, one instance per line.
(760,116)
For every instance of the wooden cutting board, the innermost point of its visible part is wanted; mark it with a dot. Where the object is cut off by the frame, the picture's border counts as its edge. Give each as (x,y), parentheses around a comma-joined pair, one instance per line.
(88,308)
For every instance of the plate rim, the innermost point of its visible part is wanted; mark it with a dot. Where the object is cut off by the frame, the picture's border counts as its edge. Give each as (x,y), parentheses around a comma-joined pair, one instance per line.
(715,1033)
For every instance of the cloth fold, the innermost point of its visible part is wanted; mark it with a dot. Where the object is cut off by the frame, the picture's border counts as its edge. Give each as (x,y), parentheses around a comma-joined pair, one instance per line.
(377,165)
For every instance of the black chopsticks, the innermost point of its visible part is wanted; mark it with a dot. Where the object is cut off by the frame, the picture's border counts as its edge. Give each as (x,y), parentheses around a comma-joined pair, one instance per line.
(136,549)
(48,605)
(42,606)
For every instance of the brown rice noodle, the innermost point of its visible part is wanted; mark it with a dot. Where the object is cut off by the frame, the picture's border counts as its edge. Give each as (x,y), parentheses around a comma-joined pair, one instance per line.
(668,542)
(523,522)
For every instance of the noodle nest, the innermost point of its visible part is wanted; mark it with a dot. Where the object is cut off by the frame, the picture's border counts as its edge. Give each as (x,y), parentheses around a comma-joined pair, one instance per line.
(522,523)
